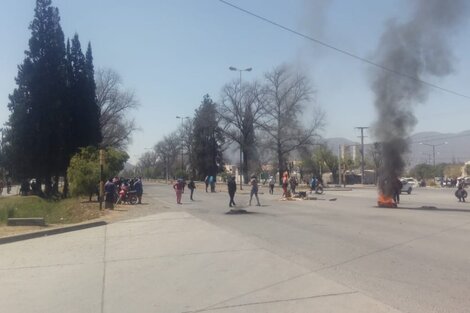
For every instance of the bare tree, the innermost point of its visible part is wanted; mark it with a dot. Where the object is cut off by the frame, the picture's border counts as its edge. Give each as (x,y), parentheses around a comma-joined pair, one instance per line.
(186,134)
(115,104)
(285,97)
(167,151)
(240,110)
(147,165)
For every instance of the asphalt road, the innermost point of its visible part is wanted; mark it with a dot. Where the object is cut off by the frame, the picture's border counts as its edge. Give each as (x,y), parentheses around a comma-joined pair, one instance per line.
(338,254)
(415,258)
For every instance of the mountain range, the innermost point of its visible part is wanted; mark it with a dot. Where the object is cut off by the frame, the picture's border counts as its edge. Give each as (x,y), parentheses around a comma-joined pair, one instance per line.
(425,147)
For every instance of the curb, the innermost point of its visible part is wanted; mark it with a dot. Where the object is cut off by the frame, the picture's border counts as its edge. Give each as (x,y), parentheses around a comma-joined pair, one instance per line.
(49,232)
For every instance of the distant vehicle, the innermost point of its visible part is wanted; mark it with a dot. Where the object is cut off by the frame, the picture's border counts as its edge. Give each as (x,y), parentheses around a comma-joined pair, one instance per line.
(466,180)
(411,181)
(407,187)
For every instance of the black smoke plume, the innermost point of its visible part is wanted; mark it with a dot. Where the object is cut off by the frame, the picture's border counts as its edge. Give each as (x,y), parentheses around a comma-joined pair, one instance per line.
(420,49)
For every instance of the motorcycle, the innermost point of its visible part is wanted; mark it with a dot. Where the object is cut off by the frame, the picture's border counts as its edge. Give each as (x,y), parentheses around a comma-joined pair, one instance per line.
(318,188)
(125,196)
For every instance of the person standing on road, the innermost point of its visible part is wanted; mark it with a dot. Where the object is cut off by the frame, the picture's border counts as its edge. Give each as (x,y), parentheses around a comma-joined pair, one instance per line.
(397,186)
(285,183)
(232,188)
(206,181)
(191,186)
(178,187)
(1,186)
(271,185)
(139,190)
(212,183)
(254,189)
(109,193)
(460,193)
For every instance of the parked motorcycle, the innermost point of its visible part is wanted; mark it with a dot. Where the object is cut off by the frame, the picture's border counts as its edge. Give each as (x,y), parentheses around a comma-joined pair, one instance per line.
(127,197)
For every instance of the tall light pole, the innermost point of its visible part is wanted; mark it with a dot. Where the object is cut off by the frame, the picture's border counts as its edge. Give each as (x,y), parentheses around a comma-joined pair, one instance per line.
(182,118)
(232,68)
(433,150)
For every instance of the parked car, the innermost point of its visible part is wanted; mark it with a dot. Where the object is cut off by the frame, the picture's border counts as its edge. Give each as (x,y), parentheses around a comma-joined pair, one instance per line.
(410,180)
(407,187)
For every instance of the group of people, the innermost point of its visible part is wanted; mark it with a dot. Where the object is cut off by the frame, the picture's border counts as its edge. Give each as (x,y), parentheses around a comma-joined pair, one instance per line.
(180,184)
(116,189)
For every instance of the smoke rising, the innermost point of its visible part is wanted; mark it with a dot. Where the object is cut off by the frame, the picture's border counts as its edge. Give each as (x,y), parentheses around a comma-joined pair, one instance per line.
(418,48)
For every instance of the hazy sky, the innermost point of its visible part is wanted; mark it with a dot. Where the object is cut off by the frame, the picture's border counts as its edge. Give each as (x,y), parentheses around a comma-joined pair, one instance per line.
(173,52)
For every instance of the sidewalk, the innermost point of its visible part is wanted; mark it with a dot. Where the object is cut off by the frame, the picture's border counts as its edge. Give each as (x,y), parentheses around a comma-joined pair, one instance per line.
(168,262)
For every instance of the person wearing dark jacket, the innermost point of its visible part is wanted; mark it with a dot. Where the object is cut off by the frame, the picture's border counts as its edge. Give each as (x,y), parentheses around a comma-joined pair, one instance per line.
(397,186)
(109,194)
(232,188)
(139,189)
(191,186)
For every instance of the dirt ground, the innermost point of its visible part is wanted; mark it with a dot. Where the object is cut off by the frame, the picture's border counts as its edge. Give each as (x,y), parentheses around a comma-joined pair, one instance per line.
(89,213)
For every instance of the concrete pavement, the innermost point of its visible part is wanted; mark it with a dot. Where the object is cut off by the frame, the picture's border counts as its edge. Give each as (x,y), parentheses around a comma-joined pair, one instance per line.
(167,262)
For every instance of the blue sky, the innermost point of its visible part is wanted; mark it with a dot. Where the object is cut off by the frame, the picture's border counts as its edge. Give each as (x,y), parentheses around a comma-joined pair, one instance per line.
(171,53)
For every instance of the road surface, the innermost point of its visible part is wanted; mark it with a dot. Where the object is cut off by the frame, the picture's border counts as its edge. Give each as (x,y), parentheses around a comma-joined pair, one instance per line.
(339,253)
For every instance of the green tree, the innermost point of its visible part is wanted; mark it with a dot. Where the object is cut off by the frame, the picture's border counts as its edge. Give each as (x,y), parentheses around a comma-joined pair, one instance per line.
(35,136)
(85,113)
(208,139)
(53,109)
(84,169)
(327,157)
(423,171)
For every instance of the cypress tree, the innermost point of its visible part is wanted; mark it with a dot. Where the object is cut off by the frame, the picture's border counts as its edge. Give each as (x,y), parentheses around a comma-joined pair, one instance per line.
(36,143)
(207,140)
(53,109)
(92,101)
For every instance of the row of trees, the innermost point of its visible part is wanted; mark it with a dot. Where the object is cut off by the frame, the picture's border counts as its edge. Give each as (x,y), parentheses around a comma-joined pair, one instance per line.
(53,109)
(58,107)
(264,120)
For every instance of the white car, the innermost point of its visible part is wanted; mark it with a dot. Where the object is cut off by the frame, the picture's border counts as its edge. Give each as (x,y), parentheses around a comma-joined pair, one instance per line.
(407,187)
(411,181)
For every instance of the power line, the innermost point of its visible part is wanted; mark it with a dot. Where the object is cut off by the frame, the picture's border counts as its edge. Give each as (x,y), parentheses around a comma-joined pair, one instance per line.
(344,51)
(440,137)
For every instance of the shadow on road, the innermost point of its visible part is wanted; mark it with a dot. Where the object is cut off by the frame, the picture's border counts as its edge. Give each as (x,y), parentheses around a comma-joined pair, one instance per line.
(429,208)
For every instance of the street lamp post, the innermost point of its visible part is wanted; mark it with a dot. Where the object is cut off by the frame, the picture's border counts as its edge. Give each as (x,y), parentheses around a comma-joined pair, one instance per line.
(182,151)
(433,150)
(232,68)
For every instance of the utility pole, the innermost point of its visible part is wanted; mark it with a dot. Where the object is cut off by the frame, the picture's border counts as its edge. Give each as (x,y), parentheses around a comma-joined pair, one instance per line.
(339,165)
(362,152)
